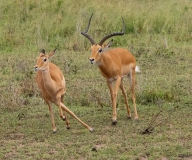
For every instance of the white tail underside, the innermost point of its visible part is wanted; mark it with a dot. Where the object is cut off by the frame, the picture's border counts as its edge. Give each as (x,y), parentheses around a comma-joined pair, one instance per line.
(137,69)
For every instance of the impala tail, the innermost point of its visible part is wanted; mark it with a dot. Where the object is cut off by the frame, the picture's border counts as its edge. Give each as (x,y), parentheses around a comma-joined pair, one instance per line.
(137,69)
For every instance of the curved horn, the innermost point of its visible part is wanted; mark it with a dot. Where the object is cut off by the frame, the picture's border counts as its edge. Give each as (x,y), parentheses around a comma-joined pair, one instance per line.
(85,32)
(54,49)
(114,34)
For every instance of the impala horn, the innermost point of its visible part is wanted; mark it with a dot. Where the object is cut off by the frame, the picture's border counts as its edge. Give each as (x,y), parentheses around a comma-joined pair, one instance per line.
(85,32)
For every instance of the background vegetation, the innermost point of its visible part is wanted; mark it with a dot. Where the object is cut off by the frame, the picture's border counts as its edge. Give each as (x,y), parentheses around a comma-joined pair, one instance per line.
(158,33)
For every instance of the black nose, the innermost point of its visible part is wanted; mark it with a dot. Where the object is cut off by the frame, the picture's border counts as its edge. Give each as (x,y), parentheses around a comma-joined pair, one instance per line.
(35,68)
(91,60)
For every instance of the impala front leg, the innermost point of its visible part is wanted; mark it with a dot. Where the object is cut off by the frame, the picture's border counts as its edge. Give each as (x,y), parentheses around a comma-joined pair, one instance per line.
(110,85)
(52,116)
(63,117)
(114,91)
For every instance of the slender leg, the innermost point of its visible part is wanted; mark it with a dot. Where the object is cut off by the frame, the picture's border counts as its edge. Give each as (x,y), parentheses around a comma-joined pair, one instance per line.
(110,86)
(114,91)
(58,103)
(52,116)
(60,110)
(126,100)
(72,114)
(66,120)
(133,92)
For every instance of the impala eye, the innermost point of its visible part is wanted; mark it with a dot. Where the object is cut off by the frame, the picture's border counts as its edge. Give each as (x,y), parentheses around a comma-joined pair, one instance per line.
(100,50)
(45,59)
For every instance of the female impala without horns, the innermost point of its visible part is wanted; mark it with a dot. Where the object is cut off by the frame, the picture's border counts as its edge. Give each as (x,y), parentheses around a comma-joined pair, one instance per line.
(114,65)
(51,83)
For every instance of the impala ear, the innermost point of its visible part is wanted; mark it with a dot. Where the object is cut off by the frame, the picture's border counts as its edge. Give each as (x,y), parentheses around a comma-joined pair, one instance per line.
(51,54)
(42,53)
(108,45)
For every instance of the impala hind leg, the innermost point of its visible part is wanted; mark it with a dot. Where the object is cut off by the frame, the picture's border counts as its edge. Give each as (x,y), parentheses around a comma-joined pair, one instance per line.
(132,84)
(73,115)
(126,99)
(52,116)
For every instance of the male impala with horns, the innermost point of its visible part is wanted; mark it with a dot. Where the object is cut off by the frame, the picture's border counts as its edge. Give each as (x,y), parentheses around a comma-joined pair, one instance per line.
(114,65)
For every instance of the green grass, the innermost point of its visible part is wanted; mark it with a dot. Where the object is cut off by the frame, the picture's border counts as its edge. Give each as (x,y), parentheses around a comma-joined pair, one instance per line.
(159,36)
(30,136)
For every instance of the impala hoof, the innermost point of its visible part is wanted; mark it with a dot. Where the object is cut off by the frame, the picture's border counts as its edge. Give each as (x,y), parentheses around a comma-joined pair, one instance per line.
(114,123)
(63,118)
(68,127)
(54,130)
(129,117)
(91,130)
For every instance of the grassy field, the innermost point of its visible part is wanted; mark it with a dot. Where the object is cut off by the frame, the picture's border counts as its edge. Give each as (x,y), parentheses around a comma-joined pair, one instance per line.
(159,34)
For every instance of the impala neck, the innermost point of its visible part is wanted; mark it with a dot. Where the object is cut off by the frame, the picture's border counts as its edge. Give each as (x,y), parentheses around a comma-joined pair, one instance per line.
(101,60)
(48,82)
(102,64)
